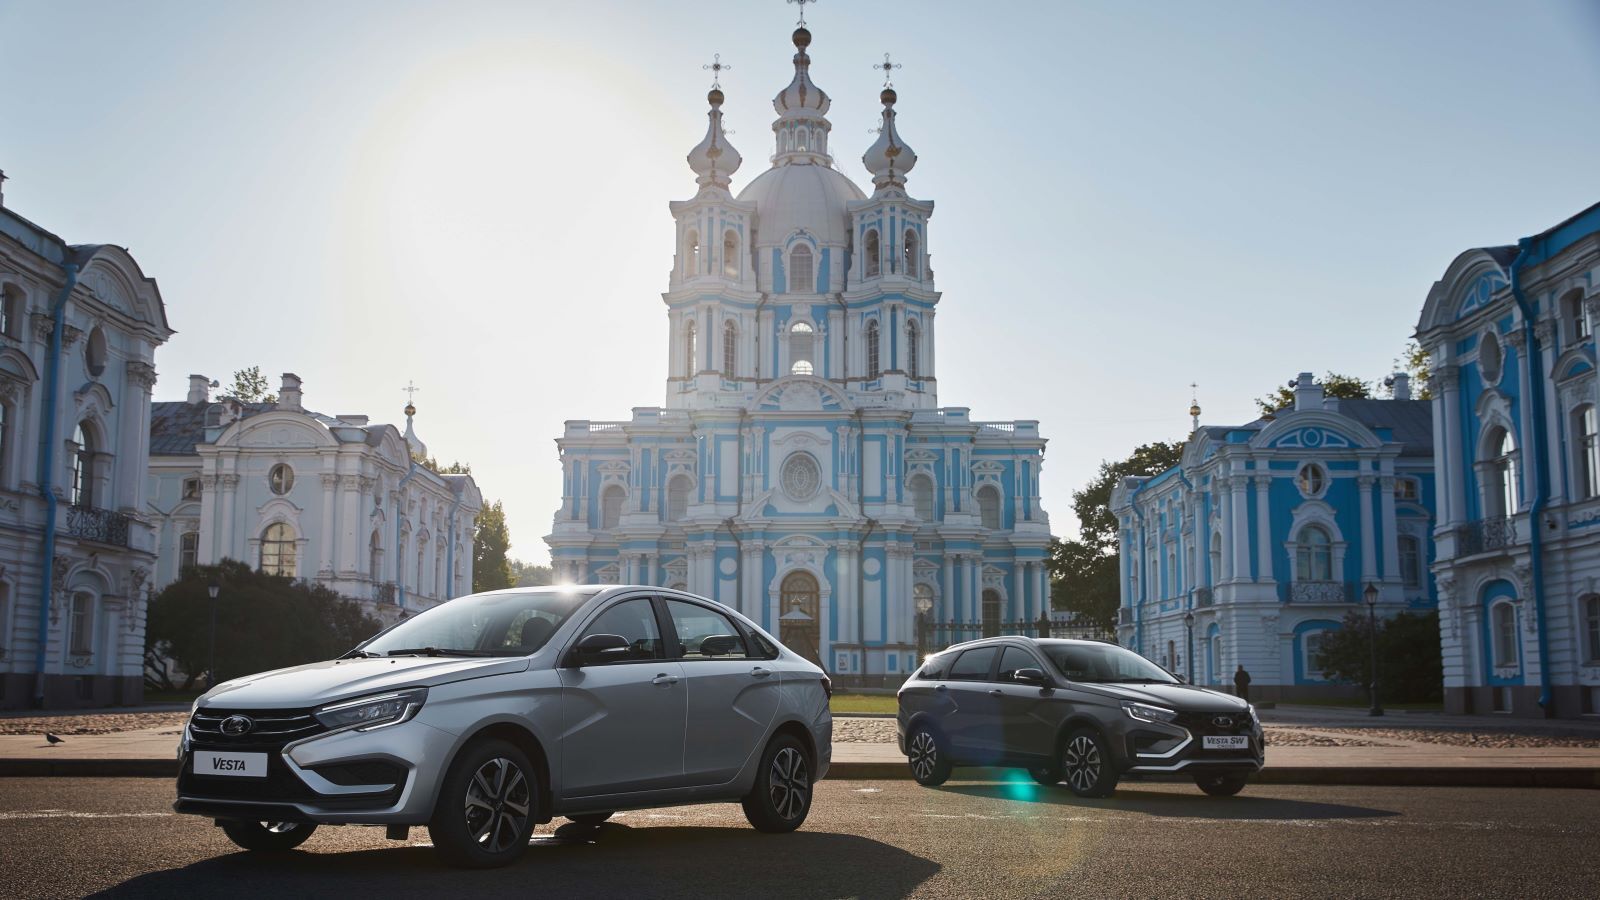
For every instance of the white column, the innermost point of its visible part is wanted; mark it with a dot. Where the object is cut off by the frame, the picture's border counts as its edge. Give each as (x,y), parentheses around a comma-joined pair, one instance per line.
(1391,534)
(229,485)
(1019,595)
(1455,461)
(1263,485)
(1225,497)
(945,611)
(1241,527)
(209,502)
(1041,580)
(975,568)
(330,497)
(1368,544)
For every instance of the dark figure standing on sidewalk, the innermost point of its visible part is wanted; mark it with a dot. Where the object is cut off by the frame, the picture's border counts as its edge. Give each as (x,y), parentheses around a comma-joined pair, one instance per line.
(1241,683)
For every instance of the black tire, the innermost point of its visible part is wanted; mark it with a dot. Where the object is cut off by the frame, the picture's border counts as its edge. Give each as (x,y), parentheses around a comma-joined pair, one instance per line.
(267,837)
(589,820)
(1049,776)
(928,756)
(1086,764)
(781,797)
(1221,785)
(486,807)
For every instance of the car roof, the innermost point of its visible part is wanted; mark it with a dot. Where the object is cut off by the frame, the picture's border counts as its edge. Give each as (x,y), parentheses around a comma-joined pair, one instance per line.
(1000,640)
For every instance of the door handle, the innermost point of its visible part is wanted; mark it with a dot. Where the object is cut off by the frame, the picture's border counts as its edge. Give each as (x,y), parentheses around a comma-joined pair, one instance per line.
(759,672)
(995,693)
(664,678)
(940,688)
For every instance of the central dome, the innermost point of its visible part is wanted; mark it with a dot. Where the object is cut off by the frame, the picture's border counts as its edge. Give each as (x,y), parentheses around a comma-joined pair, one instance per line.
(811,197)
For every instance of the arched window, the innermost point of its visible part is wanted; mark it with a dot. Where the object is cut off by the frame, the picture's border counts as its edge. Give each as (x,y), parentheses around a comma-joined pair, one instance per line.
(921,490)
(911,255)
(872,254)
(730,254)
(691,254)
(800,348)
(188,550)
(677,499)
(1501,483)
(80,630)
(993,609)
(872,349)
(611,507)
(802,276)
(989,507)
(800,139)
(11,311)
(277,549)
(1410,561)
(1586,425)
(1591,629)
(94,352)
(913,351)
(1490,357)
(689,348)
(730,348)
(422,547)
(1314,555)
(1575,323)
(375,556)
(798,623)
(1503,617)
(82,468)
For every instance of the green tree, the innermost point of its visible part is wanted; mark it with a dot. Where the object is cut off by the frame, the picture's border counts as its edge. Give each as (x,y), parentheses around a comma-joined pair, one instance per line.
(1414,362)
(1084,573)
(1343,387)
(1410,667)
(528,575)
(432,465)
(250,386)
(263,622)
(491,568)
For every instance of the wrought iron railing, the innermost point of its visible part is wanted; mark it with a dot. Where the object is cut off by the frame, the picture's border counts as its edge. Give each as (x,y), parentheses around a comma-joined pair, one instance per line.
(1319,592)
(99,525)
(1486,535)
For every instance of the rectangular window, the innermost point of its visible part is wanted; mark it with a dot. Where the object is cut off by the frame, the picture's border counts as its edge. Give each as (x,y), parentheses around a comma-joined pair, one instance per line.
(1592,631)
(635,620)
(1011,660)
(1406,489)
(188,550)
(1313,648)
(973,665)
(1410,562)
(81,627)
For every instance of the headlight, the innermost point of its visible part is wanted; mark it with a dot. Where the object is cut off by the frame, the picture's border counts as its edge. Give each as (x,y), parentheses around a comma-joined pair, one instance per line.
(368,713)
(1146,713)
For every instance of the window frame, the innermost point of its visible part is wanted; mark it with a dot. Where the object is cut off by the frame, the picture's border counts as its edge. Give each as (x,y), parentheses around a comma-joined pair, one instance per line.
(872,254)
(610,490)
(1411,561)
(730,349)
(913,353)
(988,672)
(794,331)
(280,479)
(730,254)
(80,624)
(1306,550)
(1585,420)
(911,254)
(1591,628)
(675,649)
(186,551)
(292,543)
(1312,480)
(569,653)
(1504,632)
(810,269)
(874,339)
(1000,663)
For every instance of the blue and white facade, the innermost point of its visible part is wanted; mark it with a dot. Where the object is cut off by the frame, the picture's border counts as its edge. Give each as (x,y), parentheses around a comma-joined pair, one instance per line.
(1510,335)
(801,469)
(1269,533)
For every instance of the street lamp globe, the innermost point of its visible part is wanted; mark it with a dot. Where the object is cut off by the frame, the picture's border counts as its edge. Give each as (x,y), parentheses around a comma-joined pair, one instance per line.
(1370,594)
(1188,619)
(214,589)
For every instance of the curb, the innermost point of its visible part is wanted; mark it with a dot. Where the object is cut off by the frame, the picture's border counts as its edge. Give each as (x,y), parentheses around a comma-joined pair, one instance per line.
(1383,776)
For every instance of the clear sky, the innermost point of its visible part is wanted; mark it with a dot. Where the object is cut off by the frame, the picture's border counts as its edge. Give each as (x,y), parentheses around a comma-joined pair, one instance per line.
(474,195)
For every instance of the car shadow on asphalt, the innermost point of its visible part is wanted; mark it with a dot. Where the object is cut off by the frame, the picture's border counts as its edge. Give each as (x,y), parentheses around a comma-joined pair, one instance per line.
(613,860)
(1167,804)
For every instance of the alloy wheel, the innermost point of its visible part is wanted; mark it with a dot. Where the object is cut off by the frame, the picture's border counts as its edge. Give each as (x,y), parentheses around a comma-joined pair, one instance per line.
(788,783)
(497,804)
(1081,760)
(924,754)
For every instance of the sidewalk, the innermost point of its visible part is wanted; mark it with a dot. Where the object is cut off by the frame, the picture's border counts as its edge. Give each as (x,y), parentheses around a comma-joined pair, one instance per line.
(153,752)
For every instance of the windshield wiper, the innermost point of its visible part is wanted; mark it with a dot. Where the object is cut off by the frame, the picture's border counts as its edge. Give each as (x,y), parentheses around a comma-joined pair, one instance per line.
(362,654)
(1139,681)
(435,651)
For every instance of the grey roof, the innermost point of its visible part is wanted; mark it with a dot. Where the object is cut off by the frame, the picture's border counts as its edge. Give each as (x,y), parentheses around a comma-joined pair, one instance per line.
(1503,255)
(1409,421)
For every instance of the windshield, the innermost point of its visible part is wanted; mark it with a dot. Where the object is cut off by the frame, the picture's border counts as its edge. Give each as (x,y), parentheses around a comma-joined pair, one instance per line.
(1105,663)
(499,624)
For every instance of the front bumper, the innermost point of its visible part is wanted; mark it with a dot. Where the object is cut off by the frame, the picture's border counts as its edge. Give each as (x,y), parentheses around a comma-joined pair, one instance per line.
(1150,748)
(388,776)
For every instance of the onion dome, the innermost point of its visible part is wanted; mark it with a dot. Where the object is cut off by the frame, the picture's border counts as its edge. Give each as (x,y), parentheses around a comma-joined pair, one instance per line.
(889,159)
(714,160)
(802,126)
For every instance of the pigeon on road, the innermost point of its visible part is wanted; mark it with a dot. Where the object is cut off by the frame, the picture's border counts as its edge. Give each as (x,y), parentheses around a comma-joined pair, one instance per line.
(52,738)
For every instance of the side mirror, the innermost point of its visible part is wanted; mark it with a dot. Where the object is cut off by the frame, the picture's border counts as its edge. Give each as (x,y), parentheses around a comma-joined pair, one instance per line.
(721,645)
(598,648)
(1030,676)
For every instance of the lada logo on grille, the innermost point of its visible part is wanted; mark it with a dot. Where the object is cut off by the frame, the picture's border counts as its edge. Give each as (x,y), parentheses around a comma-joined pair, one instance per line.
(233,726)
(1219,721)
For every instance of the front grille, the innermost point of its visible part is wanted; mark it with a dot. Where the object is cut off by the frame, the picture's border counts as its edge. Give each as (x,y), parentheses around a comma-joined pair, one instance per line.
(269,728)
(1200,723)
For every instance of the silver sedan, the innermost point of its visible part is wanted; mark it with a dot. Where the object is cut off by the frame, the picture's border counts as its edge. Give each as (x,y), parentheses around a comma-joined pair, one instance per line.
(491,713)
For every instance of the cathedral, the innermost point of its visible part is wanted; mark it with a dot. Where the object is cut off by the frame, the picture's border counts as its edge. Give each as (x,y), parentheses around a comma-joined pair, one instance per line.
(801,469)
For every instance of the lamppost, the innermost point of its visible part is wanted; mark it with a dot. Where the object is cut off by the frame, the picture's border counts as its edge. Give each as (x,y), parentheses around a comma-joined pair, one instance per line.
(924,606)
(1371,596)
(211,667)
(1188,623)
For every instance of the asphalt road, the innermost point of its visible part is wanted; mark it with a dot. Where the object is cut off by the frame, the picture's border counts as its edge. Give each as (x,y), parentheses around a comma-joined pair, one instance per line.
(74,837)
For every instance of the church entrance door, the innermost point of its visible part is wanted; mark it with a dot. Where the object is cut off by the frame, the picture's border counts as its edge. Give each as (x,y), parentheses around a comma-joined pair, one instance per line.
(799,625)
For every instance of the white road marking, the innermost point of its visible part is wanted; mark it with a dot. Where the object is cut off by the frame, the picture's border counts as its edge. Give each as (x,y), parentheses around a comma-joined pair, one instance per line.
(64,814)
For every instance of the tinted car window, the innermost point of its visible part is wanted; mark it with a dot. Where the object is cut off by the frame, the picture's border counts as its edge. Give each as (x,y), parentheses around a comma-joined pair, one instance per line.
(973,665)
(1011,660)
(705,633)
(935,668)
(635,620)
(1105,662)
